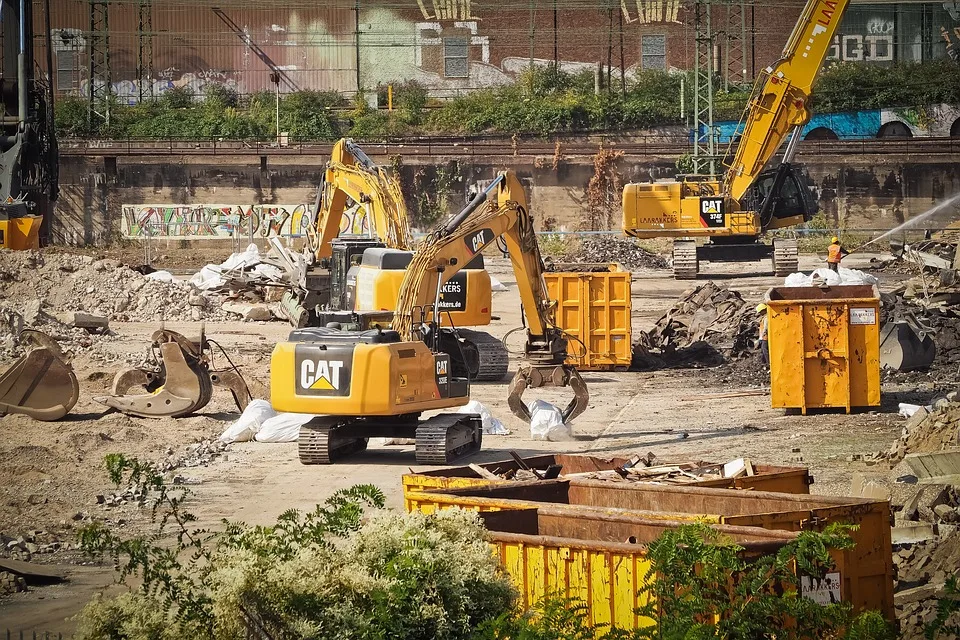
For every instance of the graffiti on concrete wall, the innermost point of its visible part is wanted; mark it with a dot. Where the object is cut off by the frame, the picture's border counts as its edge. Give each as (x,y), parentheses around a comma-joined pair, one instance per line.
(448,10)
(213,221)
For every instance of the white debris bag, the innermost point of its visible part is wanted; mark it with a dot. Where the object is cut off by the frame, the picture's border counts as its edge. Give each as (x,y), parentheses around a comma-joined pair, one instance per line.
(496,285)
(491,426)
(161,276)
(283,427)
(249,422)
(830,278)
(546,422)
(390,442)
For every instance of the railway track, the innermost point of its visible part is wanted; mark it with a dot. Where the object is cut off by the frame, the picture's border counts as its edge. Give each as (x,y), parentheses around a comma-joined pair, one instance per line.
(488,147)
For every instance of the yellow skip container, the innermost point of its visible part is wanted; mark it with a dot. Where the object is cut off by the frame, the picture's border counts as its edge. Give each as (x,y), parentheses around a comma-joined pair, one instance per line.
(824,347)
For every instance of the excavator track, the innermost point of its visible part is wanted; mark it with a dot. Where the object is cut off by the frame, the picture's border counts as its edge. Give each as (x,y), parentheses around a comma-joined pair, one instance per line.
(487,356)
(324,441)
(446,437)
(786,257)
(685,264)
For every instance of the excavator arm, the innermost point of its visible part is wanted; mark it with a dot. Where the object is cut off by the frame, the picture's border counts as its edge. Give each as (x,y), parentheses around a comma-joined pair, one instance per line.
(780,101)
(350,173)
(500,211)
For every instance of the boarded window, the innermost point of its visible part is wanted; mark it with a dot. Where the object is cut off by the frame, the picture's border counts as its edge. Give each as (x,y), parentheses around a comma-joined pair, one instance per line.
(68,69)
(455,56)
(653,52)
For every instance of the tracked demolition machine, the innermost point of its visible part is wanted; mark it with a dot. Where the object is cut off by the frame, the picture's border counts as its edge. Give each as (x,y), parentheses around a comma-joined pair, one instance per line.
(377,383)
(28,147)
(750,199)
(352,275)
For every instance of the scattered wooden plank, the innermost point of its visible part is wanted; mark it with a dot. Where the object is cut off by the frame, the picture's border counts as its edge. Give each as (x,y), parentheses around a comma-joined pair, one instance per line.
(483,473)
(732,394)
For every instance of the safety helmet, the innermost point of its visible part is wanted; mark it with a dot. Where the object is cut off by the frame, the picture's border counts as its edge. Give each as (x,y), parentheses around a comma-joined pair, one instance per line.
(761,308)
(834,239)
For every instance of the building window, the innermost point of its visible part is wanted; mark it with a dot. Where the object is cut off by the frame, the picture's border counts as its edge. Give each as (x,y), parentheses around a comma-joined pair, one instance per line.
(455,54)
(68,69)
(653,52)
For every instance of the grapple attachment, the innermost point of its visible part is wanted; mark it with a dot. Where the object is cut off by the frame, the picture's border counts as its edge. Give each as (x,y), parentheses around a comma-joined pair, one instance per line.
(553,375)
(906,344)
(178,384)
(41,384)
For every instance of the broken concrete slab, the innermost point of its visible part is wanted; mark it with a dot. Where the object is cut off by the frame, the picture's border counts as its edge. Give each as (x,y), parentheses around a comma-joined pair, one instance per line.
(912,533)
(250,312)
(916,594)
(860,486)
(942,467)
(83,320)
(32,572)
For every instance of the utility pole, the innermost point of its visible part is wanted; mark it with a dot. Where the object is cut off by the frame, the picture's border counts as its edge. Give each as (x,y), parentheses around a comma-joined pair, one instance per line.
(556,36)
(98,92)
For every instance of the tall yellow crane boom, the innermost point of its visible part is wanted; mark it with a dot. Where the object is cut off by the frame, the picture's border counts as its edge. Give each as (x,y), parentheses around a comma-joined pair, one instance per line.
(781,95)
(499,211)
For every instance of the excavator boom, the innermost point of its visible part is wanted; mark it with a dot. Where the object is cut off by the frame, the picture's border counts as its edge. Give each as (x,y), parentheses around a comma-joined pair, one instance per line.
(780,102)
(498,211)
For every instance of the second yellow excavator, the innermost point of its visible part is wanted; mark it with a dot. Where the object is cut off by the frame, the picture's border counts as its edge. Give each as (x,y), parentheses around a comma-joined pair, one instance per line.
(751,199)
(353,274)
(376,383)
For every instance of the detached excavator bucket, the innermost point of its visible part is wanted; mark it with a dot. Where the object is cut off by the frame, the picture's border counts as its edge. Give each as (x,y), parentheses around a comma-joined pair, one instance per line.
(905,345)
(181,386)
(41,384)
(181,382)
(537,376)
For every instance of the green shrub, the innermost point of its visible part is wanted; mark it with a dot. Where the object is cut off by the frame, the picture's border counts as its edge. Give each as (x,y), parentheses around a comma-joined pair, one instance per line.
(70,117)
(177,98)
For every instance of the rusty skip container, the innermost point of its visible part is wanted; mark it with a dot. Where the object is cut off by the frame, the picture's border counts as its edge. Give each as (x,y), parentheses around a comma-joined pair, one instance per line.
(824,347)
(867,579)
(594,308)
(765,478)
(592,555)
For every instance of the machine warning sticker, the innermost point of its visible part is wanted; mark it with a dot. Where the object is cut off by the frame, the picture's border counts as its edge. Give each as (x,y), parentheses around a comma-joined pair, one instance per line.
(478,240)
(711,212)
(453,294)
(863,316)
(443,374)
(323,372)
(821,591)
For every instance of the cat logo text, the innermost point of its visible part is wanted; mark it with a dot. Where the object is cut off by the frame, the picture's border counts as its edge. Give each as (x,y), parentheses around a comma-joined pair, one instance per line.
(320,375)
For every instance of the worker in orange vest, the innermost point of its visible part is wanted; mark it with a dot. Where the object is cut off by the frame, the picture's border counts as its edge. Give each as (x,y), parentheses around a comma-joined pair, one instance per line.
(835,253)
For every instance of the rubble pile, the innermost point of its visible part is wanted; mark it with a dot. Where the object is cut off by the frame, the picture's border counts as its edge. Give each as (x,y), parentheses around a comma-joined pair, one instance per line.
(921,570)
(708,325)
(928,519)
(65,282)
(930,431)
(607,249)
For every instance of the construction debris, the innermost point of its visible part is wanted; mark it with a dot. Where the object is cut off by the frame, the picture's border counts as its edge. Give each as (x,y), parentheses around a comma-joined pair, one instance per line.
(63,282)
(929,432)
(708,325)
(608,249)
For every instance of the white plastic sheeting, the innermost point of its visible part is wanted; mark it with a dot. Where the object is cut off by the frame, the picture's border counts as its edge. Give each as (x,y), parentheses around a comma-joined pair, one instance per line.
(829,278)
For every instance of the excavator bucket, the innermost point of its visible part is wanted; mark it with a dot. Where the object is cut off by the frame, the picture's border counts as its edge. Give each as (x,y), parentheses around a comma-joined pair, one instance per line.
(41,384)
(906,345)
(537,376)
(181,383)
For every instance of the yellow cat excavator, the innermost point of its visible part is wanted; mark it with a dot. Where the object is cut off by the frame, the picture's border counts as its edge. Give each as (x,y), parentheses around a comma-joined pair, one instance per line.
(732,214)
(376,383)
(352,279)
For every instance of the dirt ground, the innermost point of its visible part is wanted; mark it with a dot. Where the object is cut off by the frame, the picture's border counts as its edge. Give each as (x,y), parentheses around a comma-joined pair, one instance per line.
(52,472)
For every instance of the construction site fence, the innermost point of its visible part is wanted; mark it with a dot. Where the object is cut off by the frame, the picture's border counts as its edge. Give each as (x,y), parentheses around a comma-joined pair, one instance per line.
(470,147)
(32,635)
